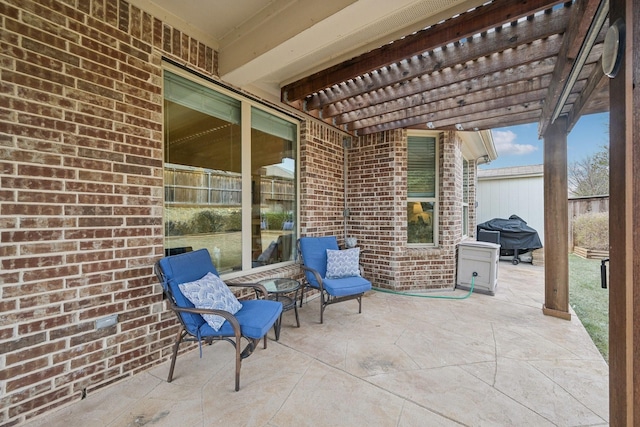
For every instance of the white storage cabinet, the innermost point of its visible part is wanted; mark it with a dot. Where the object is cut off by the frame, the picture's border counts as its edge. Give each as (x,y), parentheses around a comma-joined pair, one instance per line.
(482,258)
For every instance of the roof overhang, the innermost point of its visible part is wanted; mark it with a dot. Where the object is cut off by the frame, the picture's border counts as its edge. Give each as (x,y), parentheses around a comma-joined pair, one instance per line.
(478,146)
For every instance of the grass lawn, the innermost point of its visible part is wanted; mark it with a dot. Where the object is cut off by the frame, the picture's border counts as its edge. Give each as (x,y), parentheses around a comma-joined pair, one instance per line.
(589,300)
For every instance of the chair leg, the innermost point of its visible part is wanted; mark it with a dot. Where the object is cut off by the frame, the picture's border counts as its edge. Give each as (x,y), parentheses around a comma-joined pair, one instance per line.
(302,295)
(360,304)
(295,309)
(325,300)
(277,326)
(181,334)
(238,363)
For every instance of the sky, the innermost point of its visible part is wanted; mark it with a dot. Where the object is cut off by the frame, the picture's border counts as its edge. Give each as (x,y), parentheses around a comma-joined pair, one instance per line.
(520,146)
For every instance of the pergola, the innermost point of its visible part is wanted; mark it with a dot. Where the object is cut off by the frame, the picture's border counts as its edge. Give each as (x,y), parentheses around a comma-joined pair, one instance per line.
(500,64)
(472,66)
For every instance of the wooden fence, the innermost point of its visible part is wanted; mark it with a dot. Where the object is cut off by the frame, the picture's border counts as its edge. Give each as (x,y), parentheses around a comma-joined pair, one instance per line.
(197,187)
(583,205)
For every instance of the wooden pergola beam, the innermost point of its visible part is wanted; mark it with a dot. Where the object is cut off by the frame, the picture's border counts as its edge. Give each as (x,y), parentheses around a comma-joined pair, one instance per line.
(439,99)
(595,83)
(464,116)
(448,109)
(413,93)
(453,30)
(539,28)
(579,24)
(451,111)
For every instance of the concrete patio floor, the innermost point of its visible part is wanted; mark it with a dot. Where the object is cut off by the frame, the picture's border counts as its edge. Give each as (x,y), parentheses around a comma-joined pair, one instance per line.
(405,361)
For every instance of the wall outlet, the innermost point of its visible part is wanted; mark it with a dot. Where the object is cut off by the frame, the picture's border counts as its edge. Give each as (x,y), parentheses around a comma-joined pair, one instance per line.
(105,322)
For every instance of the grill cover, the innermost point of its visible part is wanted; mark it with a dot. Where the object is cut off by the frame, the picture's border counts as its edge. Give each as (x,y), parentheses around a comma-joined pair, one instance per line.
(514,233)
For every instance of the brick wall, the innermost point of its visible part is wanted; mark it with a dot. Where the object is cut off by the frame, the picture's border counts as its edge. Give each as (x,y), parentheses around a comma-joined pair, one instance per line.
(322,181)
(377,202)
(81,196)
(377,205)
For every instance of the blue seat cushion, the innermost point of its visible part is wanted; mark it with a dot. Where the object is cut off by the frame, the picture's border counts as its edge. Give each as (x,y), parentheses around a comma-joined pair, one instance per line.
(346,286)
(256,317)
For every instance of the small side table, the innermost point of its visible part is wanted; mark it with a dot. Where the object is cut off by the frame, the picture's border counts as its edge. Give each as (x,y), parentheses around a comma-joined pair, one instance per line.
(278,290)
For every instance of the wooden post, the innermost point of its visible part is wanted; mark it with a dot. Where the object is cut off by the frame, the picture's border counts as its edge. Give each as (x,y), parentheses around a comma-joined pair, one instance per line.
(556,221)
(624,224)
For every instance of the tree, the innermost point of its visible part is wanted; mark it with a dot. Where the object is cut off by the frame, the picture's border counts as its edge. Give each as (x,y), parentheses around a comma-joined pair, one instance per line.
(590,176)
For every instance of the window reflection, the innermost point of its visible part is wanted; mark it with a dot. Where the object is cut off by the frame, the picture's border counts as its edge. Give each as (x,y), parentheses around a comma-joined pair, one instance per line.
(420,222)
(273,188)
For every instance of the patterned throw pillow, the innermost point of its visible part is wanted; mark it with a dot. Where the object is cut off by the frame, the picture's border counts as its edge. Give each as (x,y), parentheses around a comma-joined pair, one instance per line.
(211,292)
(343,263)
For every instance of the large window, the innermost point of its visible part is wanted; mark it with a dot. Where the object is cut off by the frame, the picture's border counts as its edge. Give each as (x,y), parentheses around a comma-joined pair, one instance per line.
(422,190)
(230,176)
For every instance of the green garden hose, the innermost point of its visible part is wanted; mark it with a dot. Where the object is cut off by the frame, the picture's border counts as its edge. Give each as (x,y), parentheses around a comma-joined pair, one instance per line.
(473,279)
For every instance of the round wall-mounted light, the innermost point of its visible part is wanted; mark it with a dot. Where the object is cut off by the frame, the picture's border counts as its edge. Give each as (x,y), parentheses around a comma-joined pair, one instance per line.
(613,49)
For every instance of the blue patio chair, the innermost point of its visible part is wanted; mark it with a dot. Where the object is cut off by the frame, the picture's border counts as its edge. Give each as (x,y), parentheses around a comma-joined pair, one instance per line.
(336,274)
(251,321)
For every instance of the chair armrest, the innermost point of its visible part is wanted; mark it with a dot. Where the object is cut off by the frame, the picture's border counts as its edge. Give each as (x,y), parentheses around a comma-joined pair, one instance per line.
(227,315)
(315,273)
(257,287)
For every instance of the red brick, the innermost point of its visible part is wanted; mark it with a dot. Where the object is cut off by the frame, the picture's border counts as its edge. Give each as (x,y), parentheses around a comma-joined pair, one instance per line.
(92,336)
(93,176)
(43,402)
(77,352)
(101,244)
(87,365)
(83,303)
(23,342)
(38,274)
(100,222)
(100,154)
(99,90)
(88,280)
(33,352)
(45,172)
(128,336)
(34,378)
(8,305)
(23,368)
(46,299)
(33,262)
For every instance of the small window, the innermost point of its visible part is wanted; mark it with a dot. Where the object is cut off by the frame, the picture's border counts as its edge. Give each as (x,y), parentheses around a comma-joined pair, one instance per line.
(422,189)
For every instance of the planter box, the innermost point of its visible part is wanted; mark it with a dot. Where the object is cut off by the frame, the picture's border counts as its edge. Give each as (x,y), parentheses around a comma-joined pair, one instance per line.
(590,253)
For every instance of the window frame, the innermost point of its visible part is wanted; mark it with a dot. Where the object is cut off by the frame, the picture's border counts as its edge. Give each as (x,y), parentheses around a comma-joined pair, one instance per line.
(435,199)
(246,106)
(466,182)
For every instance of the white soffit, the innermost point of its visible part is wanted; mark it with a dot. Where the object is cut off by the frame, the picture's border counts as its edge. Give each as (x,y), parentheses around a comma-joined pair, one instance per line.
(478,144)
(258,57)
